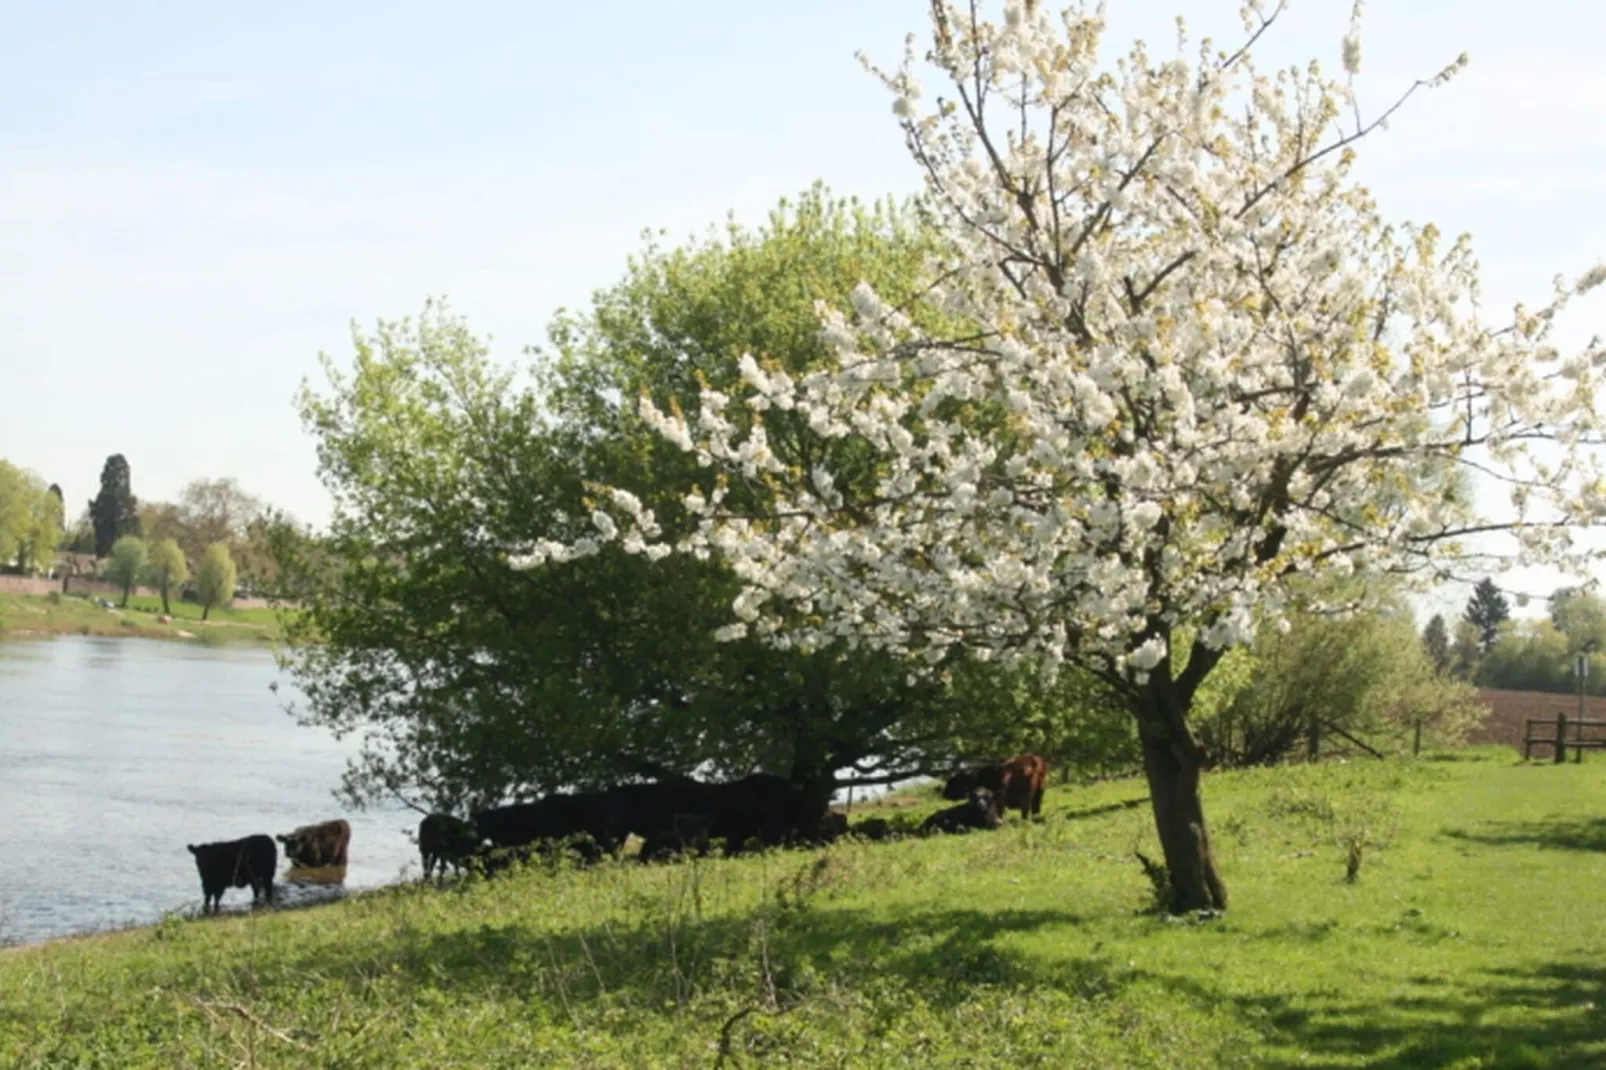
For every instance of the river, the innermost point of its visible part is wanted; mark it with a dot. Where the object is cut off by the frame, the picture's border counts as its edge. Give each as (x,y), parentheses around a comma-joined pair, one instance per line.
(116,753)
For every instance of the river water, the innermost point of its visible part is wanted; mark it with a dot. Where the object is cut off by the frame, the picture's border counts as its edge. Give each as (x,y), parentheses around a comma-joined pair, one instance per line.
(115,753)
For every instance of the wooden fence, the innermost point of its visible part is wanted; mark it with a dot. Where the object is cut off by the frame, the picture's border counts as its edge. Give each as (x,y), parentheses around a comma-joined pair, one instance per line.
(1561,732)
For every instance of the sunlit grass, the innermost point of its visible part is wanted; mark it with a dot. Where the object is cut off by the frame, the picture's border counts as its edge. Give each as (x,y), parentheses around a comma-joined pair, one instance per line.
(26,615)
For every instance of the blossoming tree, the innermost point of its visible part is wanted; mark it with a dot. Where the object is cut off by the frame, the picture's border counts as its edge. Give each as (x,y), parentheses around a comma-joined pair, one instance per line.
(1194,370)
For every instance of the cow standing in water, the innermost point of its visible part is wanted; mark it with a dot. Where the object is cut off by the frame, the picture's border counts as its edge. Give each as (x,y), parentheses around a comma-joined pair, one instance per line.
(318,846)
(235,864)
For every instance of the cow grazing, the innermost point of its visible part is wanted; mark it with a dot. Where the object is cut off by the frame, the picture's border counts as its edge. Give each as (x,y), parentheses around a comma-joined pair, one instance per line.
(591,821)
(1017,784)
(488,860)
(680,813)
(979,811)
(445,840)
(833,826)
(765,808)
(316,846)
(235,864)
(684,833)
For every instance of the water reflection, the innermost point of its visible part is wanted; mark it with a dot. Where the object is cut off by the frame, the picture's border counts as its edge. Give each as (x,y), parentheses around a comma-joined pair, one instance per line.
(115,753)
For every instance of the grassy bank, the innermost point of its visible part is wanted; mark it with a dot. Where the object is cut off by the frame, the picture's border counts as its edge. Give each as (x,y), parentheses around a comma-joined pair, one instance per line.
(42,615)
(1470,940)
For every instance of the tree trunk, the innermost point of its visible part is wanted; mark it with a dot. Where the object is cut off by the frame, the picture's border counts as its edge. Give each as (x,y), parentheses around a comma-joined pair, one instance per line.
(1173,771)
(206,609)
(164,598)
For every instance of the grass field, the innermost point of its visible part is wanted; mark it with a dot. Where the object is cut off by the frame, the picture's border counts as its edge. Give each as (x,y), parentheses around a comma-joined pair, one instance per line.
(27,615)
(1471,939)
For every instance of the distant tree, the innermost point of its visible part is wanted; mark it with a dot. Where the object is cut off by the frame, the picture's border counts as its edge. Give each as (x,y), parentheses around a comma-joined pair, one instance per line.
(1486,610)
(214,578)
(167,567)
(14,511)
(1436,642)
(80,536)
(114,511)
(216,510)
(1466,651)
(1338,683)
(127,562)
(1581,616)
(30,520)
(44,530)
(255,554)
(164,520)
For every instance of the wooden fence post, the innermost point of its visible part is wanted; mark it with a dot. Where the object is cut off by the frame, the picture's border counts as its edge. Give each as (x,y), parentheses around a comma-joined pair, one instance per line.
(1561,738)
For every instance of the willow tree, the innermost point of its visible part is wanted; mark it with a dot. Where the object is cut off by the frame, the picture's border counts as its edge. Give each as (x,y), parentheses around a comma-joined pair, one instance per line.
(1193,363)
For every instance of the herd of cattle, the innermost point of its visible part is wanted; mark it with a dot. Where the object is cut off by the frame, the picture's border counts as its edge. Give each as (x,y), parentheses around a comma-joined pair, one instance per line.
(670,817)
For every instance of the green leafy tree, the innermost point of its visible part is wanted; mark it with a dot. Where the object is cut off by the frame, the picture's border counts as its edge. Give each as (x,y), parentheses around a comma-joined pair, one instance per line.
(214,578)
(30,520)
(126,563)
(1360,682)
(1487,610)
(476,679)
(1466,651)
(1535,655)
(1580,615)
(216,510)
(166,568)
(114,511)
(15,498)
(1436,642)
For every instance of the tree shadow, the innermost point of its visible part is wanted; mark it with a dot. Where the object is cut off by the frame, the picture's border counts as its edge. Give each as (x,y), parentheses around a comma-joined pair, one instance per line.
(1576,834)
(1107,808)
(772,951)
(1505,1019)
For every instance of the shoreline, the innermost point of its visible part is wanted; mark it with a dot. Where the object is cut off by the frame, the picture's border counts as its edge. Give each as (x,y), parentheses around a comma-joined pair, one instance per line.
(36,617)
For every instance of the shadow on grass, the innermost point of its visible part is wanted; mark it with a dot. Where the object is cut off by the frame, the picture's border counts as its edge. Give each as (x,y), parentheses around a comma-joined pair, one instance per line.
(1507,1019)
(1566,835)
(1107,808)
(769,953)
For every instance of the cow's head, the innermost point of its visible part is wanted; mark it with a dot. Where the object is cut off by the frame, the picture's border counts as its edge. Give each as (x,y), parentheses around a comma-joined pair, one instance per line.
(985,804)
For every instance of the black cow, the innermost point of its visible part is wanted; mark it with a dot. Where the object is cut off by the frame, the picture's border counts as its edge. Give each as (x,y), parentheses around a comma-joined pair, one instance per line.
(677,814)
(591,821)
(874,828)
(980,811)
(316,846)
(766,808)
(445,840)
(235,864)
(685,833)
(833,826)
(488,859)
(671,816)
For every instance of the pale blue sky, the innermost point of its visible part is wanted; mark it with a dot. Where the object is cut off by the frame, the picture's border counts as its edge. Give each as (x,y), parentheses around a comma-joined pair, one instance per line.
(195,199)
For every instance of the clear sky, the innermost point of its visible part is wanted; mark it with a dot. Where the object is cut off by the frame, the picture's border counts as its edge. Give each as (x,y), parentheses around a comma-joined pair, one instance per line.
(198,198)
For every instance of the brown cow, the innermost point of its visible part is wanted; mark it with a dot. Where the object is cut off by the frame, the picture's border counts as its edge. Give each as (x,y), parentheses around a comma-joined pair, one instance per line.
(316,846)
(1016,784)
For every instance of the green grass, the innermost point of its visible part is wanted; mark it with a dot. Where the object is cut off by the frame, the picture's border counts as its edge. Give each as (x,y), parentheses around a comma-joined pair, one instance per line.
(35,615)
(1471,939)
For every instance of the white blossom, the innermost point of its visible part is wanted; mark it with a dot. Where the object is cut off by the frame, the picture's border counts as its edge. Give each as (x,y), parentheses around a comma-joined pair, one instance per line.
(1146,411)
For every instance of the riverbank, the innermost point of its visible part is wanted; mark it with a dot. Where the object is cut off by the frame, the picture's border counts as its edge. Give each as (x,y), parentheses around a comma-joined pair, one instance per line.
(1025,947)
(24,616)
